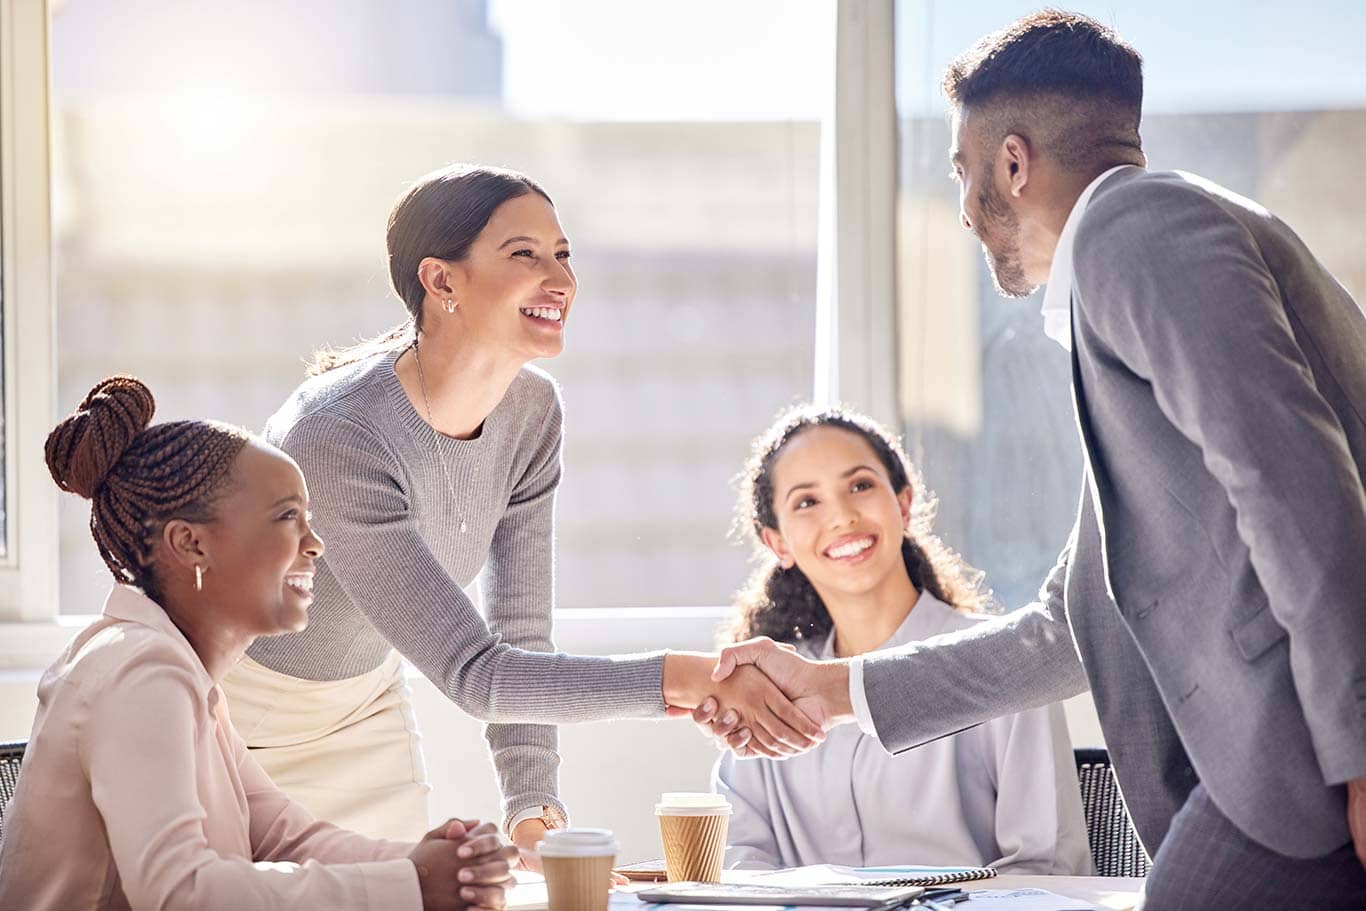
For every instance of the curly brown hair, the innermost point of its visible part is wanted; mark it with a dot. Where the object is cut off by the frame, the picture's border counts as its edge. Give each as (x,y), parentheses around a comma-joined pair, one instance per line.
(782,603)
(138,477)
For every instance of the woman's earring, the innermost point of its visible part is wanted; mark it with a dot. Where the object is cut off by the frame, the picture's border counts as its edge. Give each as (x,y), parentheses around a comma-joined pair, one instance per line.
(449,305)
(198,578)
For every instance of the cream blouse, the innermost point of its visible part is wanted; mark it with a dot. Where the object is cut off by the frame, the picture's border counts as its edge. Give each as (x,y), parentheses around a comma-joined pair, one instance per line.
(136,792)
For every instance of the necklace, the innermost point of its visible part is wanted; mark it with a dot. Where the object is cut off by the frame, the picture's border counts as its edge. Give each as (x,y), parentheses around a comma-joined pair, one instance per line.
(436,445)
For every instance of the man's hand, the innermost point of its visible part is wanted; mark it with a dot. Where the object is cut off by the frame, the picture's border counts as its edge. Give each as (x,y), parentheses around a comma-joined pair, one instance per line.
(819,688)
(526,835)
(472,870)
(777,727)
(1356,815)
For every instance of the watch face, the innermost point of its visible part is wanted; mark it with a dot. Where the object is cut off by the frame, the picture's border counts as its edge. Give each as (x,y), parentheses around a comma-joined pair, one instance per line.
(550,817)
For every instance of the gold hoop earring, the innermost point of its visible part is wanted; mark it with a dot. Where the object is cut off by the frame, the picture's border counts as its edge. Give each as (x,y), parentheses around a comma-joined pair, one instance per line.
(449,305)
(198,578)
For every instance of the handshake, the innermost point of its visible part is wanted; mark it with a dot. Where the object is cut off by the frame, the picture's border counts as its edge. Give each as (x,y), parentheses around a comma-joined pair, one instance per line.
(759,697)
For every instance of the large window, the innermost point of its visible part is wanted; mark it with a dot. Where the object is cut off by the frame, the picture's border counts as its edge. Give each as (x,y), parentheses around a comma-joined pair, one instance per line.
(1269,104)
(220,177)
(223,172)
(28,517)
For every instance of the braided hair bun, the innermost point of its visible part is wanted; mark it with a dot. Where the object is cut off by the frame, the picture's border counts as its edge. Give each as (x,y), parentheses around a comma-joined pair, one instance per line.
(83,449)
(137,475)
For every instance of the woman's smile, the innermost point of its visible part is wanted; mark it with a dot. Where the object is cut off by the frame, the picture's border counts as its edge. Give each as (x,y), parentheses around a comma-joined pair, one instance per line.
(851,550)
(301,585)
(546,316)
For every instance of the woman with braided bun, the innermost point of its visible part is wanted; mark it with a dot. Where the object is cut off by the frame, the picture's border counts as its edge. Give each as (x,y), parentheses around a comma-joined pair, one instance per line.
(849,565)
(136,791)
(434,454)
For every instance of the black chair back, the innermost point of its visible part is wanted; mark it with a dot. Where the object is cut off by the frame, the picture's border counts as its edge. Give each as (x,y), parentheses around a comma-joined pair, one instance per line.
(11,757)
(1114,843)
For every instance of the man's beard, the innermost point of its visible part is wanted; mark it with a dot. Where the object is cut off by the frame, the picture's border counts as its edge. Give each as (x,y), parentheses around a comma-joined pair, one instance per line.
(1001,224)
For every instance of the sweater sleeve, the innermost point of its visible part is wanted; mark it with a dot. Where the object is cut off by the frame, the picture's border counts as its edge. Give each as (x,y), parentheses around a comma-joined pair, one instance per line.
(519,593)
(377,553)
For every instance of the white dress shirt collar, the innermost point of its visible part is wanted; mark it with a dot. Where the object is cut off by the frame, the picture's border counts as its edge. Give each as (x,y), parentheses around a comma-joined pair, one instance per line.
(1057,296)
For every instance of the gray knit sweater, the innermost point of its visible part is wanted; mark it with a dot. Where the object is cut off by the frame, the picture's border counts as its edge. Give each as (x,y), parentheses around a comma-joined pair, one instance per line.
(396,564)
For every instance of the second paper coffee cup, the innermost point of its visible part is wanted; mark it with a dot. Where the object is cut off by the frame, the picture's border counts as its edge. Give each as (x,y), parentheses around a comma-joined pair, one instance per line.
(693,827)
(578,868)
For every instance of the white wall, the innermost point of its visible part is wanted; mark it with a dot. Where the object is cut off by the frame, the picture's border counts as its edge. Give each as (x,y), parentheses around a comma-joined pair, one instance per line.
(612,771)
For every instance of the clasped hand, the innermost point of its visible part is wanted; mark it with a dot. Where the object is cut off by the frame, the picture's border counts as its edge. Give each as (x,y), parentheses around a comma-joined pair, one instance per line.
(769,701)
(463,863)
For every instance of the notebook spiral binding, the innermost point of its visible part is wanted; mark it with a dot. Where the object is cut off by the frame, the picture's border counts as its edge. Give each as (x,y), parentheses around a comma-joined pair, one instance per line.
(935,879)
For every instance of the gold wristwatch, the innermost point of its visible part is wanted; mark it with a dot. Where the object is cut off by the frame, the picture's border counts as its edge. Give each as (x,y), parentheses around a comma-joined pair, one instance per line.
(552,817)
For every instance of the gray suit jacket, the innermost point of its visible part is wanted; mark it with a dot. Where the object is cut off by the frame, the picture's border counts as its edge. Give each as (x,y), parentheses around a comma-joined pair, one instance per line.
(1214,587)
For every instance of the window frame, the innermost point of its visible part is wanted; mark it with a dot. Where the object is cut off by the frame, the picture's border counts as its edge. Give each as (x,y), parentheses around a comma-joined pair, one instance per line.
(28,571)
(856,327)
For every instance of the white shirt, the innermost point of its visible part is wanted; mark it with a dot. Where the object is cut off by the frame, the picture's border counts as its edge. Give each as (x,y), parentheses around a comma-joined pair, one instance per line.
(1003,793)
(1057,296)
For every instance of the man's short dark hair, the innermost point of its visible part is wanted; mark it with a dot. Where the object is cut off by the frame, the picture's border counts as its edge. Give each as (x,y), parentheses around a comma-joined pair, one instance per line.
(1060,66)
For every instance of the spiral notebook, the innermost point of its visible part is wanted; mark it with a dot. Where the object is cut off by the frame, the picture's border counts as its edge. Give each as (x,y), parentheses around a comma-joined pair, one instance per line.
(899,875)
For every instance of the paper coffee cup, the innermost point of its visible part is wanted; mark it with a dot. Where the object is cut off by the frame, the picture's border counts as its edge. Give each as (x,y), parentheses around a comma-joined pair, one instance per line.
(578,868)
(693,827)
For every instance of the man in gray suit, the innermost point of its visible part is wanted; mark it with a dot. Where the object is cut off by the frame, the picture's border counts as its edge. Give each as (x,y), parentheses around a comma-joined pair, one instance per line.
(1212,594)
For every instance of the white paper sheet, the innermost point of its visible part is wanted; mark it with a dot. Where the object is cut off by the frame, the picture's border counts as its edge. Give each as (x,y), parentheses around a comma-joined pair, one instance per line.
(1024,900)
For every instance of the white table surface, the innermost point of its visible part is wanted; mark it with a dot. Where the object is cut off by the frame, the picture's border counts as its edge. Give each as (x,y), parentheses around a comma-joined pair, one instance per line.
(1113,893)
(1120,893)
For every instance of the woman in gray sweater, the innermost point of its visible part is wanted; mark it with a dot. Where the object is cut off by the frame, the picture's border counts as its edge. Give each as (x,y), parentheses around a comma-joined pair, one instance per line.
(433,454)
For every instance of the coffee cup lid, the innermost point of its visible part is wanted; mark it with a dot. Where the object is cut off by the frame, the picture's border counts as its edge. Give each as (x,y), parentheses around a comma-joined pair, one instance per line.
(689,803)
(575,842)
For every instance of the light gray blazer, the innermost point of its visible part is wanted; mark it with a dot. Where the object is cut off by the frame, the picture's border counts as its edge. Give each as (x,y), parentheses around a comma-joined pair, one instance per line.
(1214,586)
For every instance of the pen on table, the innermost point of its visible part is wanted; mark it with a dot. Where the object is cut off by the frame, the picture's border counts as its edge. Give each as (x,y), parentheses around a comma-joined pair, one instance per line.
(945,896)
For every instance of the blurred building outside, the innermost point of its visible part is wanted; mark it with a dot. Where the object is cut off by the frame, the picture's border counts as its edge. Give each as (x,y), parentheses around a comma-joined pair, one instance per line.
(208,242)
(209,239)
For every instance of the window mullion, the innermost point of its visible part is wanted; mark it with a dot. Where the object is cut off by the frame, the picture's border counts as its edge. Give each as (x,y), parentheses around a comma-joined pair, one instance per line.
(28,573)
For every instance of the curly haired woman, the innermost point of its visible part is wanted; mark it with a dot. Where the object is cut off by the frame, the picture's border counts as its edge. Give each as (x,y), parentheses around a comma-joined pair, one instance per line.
(849,565)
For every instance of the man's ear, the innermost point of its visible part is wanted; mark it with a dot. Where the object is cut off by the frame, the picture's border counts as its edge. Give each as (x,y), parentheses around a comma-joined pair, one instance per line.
(184,545)
(774,541)
(1013,161)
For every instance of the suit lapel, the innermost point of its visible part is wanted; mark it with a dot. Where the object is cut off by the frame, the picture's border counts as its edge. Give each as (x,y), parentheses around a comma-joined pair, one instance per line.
(1152,768)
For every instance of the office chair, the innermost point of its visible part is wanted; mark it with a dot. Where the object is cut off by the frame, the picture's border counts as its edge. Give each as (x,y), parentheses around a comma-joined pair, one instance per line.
(11,755)
(1114,843)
